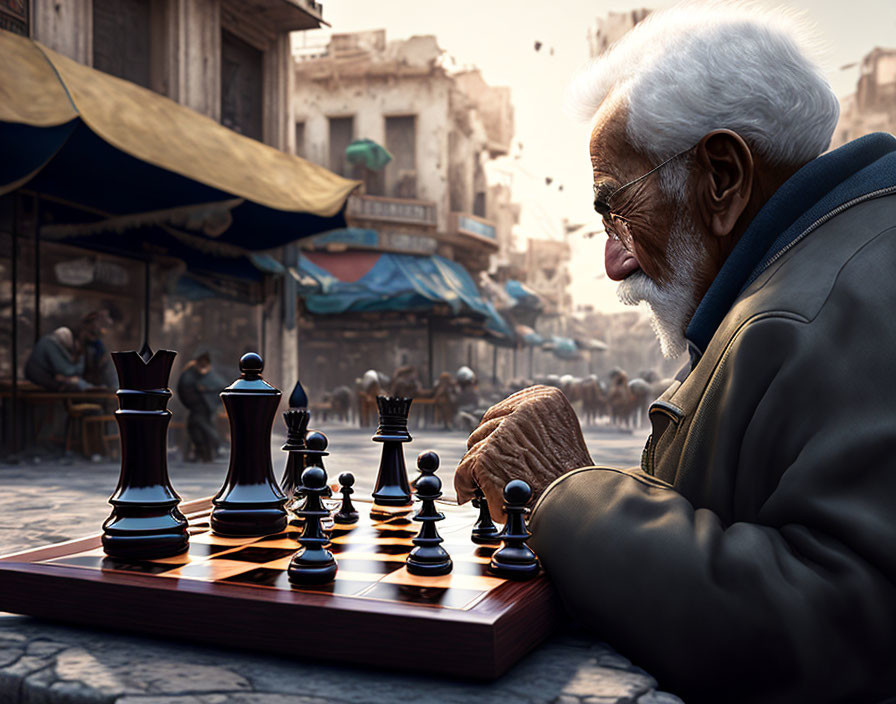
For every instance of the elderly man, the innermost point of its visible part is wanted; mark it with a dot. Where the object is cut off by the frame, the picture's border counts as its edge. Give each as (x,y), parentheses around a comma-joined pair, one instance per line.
(752,555)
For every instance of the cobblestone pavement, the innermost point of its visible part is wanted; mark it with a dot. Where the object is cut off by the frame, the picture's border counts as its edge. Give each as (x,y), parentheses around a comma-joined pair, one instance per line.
(42,663)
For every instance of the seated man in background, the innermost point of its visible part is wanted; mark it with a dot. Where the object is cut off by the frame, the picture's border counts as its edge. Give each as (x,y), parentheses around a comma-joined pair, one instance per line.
(752,555)
(55,362)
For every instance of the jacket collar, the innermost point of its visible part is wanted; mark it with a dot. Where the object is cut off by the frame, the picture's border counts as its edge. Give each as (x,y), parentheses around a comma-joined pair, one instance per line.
(821,186)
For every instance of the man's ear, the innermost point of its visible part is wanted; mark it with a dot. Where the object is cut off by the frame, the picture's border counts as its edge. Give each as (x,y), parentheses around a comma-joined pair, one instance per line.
(725,180)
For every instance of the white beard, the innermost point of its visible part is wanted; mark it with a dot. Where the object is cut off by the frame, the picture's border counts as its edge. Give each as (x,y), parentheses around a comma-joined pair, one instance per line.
(672,305)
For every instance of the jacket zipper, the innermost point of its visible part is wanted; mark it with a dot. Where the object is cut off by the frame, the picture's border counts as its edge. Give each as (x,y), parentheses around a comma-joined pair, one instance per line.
(823,219)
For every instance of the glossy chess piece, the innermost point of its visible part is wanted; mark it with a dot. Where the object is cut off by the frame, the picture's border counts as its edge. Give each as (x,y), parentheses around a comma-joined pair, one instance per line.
(485,532)
(296,427)
(250,502)
(428,558)
(347,513)
(392,489)
(514,559)
(313,563)
(145,522)
(427,463)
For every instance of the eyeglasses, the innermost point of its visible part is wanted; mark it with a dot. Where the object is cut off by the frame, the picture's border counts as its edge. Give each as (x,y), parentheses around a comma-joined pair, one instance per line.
(618,227)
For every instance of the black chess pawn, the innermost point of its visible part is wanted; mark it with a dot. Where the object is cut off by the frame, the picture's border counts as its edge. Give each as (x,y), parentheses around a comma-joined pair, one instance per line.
(296,427)
(392,491)
(428,558)
(250,502)
(514,559)
(145,522)
(347,513)
(313,563)
(427,463)
(485,532)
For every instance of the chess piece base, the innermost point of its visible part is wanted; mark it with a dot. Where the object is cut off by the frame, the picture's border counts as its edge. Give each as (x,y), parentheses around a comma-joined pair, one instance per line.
(429,561)
(514,563)
(486,537)
(145,533)
(346,518)
(240,522)
(312,566)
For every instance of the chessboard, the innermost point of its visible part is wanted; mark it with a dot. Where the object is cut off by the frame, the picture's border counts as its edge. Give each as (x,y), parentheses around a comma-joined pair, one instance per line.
(235,592)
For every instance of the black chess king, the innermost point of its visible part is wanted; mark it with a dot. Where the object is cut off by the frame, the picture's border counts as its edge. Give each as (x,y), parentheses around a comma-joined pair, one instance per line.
(145,522)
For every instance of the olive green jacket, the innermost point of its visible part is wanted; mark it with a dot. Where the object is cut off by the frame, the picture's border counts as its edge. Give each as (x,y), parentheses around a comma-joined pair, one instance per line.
(752,556)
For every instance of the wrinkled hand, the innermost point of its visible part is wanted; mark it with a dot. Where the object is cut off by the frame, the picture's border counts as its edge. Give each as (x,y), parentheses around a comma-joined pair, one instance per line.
(533,435)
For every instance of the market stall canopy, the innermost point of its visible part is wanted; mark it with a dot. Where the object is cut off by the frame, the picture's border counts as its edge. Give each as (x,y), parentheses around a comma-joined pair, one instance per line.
(524,296)
(73,133)
(528,336)
(355,282)
(562,347)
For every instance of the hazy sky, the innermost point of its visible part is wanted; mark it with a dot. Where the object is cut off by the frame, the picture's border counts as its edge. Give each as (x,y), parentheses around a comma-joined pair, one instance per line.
(498,36)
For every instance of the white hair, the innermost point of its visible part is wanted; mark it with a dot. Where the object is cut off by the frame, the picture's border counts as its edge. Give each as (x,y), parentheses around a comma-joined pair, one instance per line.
(701,66)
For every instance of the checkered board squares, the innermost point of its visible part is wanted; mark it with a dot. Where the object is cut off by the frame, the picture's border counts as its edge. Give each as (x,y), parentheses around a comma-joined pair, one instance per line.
(370,554)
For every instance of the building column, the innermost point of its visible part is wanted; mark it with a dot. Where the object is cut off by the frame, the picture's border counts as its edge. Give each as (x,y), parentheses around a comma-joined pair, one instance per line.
(66,27)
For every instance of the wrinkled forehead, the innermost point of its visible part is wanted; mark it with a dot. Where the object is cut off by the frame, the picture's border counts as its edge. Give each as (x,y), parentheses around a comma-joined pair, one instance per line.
(611,151)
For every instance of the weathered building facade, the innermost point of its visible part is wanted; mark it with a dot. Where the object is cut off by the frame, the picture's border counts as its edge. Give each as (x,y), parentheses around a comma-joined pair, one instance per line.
(441,127)
(872,108)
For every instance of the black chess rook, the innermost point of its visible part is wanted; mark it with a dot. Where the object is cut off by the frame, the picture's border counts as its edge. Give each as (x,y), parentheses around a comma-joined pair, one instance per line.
(392,490)
(313,563)
(514,559)
(145,522)
(428,558)
(347,513)
(250,502)
(484,532)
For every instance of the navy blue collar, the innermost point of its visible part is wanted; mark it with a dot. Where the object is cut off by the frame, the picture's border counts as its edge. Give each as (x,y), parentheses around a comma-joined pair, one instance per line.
(853,170)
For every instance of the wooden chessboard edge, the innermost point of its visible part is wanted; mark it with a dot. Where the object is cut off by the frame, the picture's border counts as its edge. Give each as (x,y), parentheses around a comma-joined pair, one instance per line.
(458,647)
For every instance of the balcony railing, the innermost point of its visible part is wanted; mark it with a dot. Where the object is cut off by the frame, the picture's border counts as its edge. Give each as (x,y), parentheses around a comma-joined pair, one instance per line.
(465,225)
(393,210)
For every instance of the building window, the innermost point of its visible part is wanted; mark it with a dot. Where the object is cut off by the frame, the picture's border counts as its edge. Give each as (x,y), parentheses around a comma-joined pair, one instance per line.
(242,72)
(121,43)
(300,140)
(479,204)
(401,142)
(342,131)
(14,16)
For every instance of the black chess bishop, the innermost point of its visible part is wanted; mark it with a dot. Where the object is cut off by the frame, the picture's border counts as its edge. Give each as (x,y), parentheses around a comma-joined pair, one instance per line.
(250,502)
(514,559)
(313,563)
(296,427)
(428,558)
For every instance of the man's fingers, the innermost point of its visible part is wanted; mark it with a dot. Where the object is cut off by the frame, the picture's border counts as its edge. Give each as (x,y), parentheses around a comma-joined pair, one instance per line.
(464,482)
(486,428)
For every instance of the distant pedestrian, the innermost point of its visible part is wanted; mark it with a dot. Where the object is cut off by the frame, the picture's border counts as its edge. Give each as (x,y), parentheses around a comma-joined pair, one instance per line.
(197,390)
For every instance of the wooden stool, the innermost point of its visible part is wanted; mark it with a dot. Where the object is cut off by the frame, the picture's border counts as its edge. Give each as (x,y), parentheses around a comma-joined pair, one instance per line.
(110,440)
(74,424)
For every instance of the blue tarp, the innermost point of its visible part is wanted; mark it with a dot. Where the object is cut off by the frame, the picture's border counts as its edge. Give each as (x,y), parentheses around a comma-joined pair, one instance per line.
(524,296)
(563,347)
(400,282)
